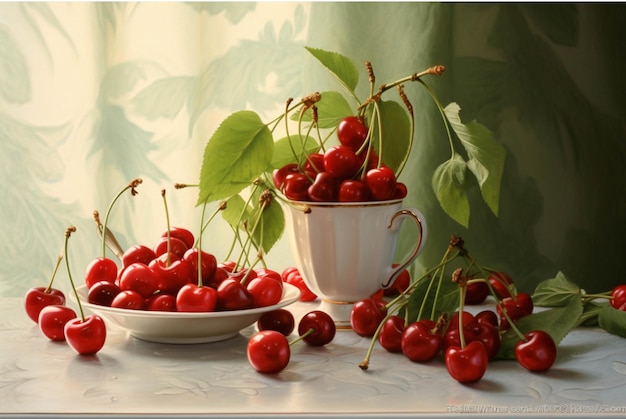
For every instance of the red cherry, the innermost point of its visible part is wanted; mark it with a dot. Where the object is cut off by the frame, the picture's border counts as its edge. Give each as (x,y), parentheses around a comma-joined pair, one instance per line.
(140,278)
(420,342)
(400,284)
(317,328)
(296,187)
(341,162)
(467,365)
(233,295)
(177,247)
(352,132)
(102,293)
(161,302)
(138,253)
(366,315)
(501,283)
(381,183)
(129,299)
(182,234)
(278,176)
(280,320)
(324,188)
(86,337)
(353,191)
(537,352)
(400,191)
(390,336)
(618,297)
(39,297)
(52,320)
(487,316)
(292,277)
(169,279)
(268,351)
(100,269)
(476,293)
(313,165)
(208,265)
(192,298)
(265,291)
(516,307)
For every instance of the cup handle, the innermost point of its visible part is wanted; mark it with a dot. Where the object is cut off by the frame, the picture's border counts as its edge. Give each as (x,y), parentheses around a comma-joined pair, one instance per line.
(396,220)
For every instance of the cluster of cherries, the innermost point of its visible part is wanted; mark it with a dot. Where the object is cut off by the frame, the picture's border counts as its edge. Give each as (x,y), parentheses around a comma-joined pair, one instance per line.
(347,172)
(467,342)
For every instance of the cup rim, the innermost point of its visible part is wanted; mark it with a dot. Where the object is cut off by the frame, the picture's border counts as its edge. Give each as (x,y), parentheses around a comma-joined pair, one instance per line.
(366,204)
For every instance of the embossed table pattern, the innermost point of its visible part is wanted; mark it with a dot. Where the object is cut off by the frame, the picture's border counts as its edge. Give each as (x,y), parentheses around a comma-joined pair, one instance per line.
(134,378)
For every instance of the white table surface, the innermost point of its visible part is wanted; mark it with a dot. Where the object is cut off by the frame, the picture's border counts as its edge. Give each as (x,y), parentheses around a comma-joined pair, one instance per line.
(134,378)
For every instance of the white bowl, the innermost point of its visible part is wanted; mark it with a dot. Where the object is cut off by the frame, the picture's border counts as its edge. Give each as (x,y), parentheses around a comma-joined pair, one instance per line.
(183,328)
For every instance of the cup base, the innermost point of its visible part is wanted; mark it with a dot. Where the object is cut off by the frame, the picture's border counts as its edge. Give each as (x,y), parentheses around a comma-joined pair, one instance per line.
(339,312)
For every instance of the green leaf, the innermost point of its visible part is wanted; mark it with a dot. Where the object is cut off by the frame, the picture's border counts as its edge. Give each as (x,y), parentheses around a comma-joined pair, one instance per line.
(557,322)
(339,65)
(486,156)
(590,314)
(448,183)
(613,321)
(240,150)
(555,292)
(270,227)
(396,128)
(331,109)
(235,207)
(285,148)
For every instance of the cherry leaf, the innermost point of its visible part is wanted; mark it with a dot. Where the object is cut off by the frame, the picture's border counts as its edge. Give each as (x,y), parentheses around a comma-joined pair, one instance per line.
(613,321)
(287,148)
(557,322)
(271,225)
(486,156)
(240,150)
(331,109)
(443,295)
(339,65)
(555,292)
(396,129)
(449,187)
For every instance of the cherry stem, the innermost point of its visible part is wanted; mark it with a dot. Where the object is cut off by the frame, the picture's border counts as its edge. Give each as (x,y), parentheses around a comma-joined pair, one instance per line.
(54,273)
(68,233)
(302,336)
(364,365)
(199,241)
(132,186)
(462,291)
(168,259)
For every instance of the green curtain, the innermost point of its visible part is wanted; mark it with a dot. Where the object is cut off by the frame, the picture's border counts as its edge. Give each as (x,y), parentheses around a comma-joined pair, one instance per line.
(93,95)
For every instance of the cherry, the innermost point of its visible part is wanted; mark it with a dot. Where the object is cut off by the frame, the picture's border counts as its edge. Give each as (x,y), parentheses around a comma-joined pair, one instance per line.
(313,165)
(537,352)
(140,278)
(390,336)
(292,276)
(454,319)
(381,183)
(182,234)
(161,302)
(278,176)
(280,320)
(502,283)
(476,292)
(86,336)
(295,187)
(233,295)
(102,293)
(401,191)
(100,269)
(129,299)
(194,298)
(341,162)
(352,132)
(268,351)
(487,316)
(39,297)
(317,328)
(176,247)
(324,189)
(366,315)
(516,307)
(485,333)
(52,320)
(265,291)
(420,341)
(169,278)
(138,253)
(208,265)
(468,364)
(618,297)
(352,190)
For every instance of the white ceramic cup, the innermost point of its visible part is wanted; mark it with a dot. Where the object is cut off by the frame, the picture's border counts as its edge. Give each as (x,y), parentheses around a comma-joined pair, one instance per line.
(345,251)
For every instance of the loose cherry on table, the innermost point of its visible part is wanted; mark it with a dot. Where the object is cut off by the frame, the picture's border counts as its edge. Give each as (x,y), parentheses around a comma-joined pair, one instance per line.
(317,328)
(366,315)
(390,336)
(618,297)
(468,364)
(421,342)
(536,352)
(280,320)
(37,298)
(52,320)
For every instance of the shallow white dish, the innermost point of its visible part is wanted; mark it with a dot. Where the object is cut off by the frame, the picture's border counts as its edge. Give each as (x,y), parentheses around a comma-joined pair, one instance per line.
(184,328)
